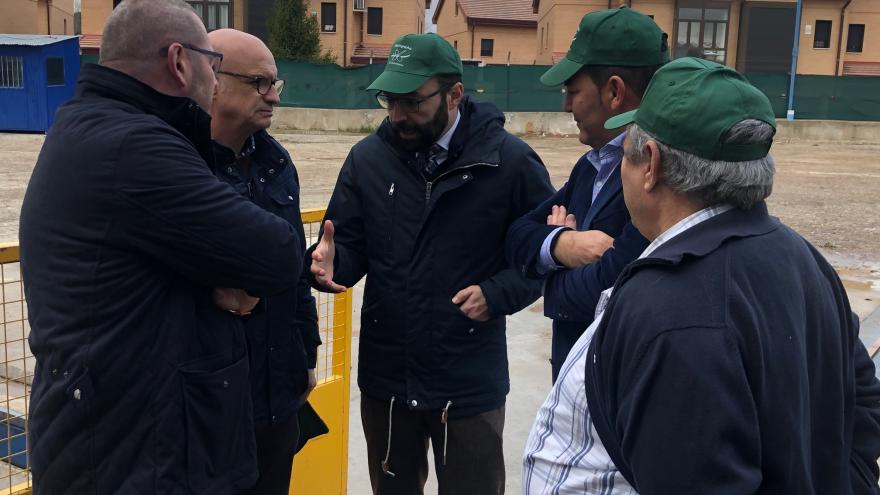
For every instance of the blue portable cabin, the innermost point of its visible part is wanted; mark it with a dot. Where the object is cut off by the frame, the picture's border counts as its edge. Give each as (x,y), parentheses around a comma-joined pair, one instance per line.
(37,74)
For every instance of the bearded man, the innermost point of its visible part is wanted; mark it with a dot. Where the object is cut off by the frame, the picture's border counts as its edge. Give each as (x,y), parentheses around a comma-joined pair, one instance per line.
(422,207)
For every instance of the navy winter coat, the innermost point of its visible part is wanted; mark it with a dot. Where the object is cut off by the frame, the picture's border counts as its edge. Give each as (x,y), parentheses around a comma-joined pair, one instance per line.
(728,361)
(282,330)
(141,383)
(419,242)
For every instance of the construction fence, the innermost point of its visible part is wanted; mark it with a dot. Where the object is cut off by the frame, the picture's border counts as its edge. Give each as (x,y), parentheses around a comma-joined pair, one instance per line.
(516,88)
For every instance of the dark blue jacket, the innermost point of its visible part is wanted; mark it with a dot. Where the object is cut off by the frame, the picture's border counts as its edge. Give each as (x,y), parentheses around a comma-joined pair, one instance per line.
(570,296)
(141,383)
(419,242)
(729,362)
(282,331)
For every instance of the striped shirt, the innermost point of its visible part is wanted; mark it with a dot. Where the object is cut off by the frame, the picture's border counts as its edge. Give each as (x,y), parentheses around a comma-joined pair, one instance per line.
(564,454)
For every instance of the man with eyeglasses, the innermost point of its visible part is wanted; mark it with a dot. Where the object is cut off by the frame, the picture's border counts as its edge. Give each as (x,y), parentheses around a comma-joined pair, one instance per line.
(282,330)
(421,208)
(141,380)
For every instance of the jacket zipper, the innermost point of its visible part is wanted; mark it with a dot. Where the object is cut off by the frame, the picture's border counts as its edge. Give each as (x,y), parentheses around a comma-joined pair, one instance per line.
(429,185)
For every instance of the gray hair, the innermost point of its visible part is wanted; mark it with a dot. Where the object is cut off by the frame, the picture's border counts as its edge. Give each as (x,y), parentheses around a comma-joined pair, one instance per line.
(138,30)
(742,184)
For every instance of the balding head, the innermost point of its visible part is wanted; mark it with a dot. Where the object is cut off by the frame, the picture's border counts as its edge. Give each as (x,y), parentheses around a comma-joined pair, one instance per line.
(241,51)
(240,109)
(139,29)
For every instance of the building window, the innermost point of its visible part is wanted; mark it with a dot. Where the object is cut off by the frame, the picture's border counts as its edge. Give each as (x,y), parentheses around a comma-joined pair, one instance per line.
(822,35)
(55,71)
(455,44)
(855,38)
(701,29)
(116,3)
(328,17)
(456,8)
(11,72)
(486,47)
(374,20)
(216,14)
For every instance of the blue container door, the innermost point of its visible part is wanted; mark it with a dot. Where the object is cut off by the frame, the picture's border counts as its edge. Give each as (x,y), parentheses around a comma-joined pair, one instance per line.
(21,98)
(61,73)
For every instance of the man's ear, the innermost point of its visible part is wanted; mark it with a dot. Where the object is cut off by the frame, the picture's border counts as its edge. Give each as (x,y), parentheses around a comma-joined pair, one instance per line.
(177,65)
(615,92)
(653,170)
(456,93)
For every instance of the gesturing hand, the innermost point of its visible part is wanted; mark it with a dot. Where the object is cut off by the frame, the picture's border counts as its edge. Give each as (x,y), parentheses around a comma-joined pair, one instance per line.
(322,260)
(561,218)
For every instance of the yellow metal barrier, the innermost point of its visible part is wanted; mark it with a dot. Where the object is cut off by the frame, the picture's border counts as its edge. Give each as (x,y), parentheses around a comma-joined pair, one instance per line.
(320,468)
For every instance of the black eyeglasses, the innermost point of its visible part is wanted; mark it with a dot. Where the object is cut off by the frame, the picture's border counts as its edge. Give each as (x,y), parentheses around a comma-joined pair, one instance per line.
(263,84)
(216,57)
(409,105)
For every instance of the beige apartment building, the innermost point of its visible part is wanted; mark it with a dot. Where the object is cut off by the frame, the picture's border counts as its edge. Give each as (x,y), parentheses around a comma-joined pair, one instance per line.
(360,32)
(36,16)
(836,37)
(490,31)
(216,14)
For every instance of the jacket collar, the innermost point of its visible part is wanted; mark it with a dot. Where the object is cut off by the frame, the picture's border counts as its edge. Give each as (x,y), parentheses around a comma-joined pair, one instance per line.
(708,236)
(181,113)
(477,139)
(268,153)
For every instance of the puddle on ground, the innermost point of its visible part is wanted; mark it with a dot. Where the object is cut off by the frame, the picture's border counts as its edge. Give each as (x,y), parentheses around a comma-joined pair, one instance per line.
(863,288)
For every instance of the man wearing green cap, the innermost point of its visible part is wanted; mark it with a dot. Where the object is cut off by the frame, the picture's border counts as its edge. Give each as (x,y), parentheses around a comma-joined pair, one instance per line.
(565,240)
(726,359)
(422,207)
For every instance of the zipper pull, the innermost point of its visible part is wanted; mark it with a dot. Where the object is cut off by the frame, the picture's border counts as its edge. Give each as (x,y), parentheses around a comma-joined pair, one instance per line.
(428,191)
(391,191)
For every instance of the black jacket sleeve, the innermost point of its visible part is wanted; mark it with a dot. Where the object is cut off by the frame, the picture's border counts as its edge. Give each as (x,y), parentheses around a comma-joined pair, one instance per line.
(509,290)
(527,234)
(177,212)
(866,420)
(572,295)
(345,211)
(306,316)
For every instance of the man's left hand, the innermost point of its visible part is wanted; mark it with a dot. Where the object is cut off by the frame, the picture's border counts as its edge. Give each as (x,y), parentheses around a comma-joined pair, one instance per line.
(472,303)
(235,301)
(313,382)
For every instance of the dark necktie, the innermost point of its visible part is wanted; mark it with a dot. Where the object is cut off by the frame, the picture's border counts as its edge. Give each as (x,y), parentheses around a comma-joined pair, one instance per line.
(431,164)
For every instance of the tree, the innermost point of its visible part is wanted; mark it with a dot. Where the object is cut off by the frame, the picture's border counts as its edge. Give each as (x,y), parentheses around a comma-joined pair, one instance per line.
(294,34)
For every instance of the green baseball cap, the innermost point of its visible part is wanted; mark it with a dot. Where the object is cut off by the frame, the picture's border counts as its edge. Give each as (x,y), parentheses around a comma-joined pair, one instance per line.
(691,103)
(415,58)
(620,37)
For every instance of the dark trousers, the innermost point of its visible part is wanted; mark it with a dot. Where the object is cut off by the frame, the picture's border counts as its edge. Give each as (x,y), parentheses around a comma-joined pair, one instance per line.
(561,344)
(276,444)
(474,463)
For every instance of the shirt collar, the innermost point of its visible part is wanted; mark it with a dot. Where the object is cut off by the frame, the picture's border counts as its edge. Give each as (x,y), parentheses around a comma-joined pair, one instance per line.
(686,223)
(447,137)
(598,158)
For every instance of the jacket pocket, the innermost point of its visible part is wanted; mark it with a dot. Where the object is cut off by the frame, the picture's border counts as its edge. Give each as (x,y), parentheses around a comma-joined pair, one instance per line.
(219,425)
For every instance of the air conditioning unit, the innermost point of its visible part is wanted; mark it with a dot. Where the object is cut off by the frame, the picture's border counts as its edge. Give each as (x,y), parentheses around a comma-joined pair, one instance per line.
(359,6)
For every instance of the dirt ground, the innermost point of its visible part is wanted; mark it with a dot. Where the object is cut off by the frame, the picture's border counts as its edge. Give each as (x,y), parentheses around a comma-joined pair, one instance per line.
(826,191)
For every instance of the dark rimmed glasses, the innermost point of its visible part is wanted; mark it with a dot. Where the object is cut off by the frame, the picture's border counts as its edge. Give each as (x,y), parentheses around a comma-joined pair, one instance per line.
(262,84)
(407,104)
(216,57)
